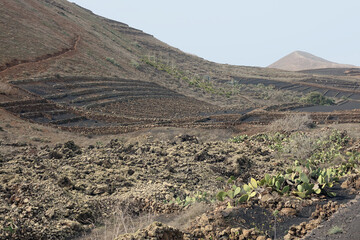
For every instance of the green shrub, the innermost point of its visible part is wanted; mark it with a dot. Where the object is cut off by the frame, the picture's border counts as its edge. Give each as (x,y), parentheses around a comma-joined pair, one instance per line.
(239,139)
(317,98)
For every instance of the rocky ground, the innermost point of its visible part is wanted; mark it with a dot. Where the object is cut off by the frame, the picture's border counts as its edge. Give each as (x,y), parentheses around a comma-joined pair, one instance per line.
(60,191)
(344,224)
(63,191)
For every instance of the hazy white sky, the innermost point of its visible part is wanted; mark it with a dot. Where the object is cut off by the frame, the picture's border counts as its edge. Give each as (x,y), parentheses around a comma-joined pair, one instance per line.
(252,32)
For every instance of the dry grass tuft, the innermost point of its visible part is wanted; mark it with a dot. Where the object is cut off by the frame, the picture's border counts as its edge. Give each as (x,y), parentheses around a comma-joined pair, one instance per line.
(121,221)
(301,146)
(184,219)
(291,123)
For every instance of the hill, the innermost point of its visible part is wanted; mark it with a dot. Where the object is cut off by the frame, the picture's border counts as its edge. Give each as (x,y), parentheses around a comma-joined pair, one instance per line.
(65,66)
(300,60)
(61,38)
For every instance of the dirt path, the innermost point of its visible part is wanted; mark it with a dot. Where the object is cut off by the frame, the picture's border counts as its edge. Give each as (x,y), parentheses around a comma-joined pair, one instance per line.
(347,220)
(15,63)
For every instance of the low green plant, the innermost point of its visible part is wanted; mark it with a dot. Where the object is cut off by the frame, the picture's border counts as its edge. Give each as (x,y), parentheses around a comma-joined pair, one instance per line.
(275,214)
(317,98)
(197,197)
(316,181)
(11,227)
(239,194)
(220,179)
(276,183)
(275,140)
(239,139)
(301,181)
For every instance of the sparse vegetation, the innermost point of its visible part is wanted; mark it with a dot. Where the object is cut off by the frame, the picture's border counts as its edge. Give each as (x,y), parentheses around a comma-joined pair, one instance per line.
(135,64)
(193,80)
(195,198)
(113,62)
(315,175)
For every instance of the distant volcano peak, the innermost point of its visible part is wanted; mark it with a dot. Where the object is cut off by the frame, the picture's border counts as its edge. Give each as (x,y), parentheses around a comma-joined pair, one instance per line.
(301,60)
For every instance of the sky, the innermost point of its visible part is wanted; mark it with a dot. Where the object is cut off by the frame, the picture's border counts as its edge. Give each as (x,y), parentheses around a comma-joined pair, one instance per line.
(239,32)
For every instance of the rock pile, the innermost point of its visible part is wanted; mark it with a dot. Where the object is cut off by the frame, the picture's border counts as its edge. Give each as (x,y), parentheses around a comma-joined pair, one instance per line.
(322,213)
(60,192)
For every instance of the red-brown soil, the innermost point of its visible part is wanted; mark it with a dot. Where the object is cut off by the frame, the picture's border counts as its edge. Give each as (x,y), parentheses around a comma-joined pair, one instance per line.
(20,63)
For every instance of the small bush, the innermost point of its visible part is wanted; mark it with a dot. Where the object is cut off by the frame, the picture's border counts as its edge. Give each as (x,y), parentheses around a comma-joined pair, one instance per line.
(302,146)
(292,123)
(335,230)
(317,98)
(135,64)
(113,62)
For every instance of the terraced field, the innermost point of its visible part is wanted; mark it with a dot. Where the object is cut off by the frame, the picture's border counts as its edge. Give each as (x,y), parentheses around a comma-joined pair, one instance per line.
(124,97)
(45,112)
(102,105)
(347,90)
(334,71)
(263,117)
(328,87)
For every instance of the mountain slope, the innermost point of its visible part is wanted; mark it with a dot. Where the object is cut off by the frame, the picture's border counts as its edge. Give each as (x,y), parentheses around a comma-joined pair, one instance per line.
(57,38)
(63,65)
(300,60)
(33,29)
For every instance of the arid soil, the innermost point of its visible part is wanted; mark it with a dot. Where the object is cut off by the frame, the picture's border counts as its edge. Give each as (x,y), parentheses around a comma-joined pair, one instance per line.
(59,192)
(334,71)
(63,191)
(16,62)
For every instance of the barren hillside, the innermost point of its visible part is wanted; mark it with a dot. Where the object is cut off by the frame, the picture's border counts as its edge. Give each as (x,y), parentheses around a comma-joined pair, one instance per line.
(65,66)
(47,37)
